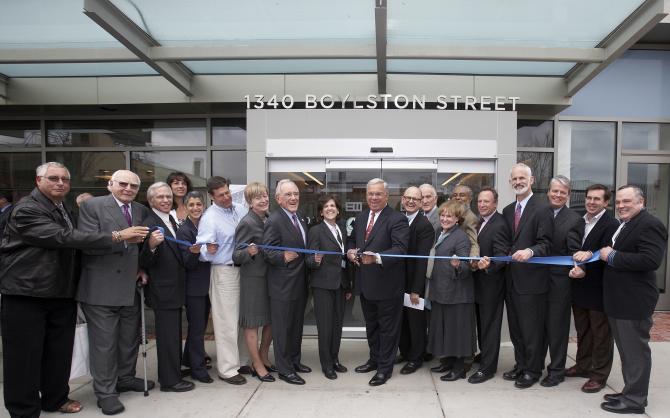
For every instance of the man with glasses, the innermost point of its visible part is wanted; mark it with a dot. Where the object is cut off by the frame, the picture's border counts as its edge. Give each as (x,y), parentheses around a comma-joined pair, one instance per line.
(429,205)
(108,292)
(421,238)
(39,270)
(287,281)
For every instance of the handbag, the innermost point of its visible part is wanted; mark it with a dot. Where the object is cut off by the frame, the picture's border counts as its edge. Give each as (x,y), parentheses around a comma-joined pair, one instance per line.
(80,366)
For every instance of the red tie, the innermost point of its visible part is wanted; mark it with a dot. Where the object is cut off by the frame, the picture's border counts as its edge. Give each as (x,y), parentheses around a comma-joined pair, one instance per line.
(517,216)
(370,224)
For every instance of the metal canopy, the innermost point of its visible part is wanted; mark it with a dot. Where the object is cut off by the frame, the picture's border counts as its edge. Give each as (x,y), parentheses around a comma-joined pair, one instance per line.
(184,43)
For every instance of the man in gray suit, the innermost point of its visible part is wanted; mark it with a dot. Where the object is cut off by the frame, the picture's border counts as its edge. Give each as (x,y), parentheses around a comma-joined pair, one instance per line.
(429,205)
(108,292)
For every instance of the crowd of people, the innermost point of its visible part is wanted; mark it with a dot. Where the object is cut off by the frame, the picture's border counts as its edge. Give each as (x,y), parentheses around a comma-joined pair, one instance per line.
(252,270)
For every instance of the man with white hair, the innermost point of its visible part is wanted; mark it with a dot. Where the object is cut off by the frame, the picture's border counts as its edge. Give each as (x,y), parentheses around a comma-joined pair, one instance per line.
(108,292)
(429,205)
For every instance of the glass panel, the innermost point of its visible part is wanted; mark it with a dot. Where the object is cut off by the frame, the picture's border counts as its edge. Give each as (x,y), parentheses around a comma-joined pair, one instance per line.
(535,133)
(654,179)
(569,23)
(90,170)
(542,164)
(231,165)
(446,182)
(399,180)
(80,69)
(17,172)
(477,67)
(646,136)
(179,22)
(290,66)
(20,133)
(131,133)
(578,143)
(232,132)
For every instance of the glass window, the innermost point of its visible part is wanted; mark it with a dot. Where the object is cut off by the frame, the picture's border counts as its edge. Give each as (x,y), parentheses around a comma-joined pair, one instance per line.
(90,170)
(17,172)
(542,165)
(446,182)
(153,166)
(231,132)
(127,133)
(231,165)
(578,143)
(535,133)
(20,134)
(646,136)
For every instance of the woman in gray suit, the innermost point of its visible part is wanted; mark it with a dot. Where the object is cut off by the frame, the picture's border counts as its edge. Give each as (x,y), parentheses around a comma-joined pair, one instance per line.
(329,282)
(254,298)
(451,335)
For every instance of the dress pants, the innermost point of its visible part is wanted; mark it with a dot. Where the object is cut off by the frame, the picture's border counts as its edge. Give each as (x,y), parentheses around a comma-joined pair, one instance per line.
(413,335)
(489,315)
(382,326)
(595,347)
(329,313)
(224,293)
(113,341)
(526,316)
(168,345)
(37,340)
(632,341)
(557,324)
(197,314)
(287,321)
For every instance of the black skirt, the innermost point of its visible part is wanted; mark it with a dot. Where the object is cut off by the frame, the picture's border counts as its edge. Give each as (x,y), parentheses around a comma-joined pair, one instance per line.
(452,330)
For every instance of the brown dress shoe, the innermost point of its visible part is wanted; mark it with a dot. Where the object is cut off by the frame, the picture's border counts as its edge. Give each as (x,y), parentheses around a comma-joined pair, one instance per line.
(575,372)
(593,386)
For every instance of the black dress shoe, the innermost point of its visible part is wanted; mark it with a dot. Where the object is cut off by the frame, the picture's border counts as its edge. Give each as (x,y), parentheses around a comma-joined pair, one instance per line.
(338,367)
(111,406)
(410,367)
(378,379)
(330,374)
(453,375)
(238,379)
(182,386)
(266,378)
(441,368)
(134,385)
(618,407)
(271,368)
(292,378)
(552,380)
(479,377)
(203,379)
(302,368)
(513,374)
(612,396)
(400,359)
(208,362)
(246,369)
(525,381)
(185,372)
(366,368)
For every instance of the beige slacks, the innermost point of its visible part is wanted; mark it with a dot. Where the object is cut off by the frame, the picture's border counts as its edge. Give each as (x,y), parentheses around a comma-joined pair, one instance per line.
(224,294)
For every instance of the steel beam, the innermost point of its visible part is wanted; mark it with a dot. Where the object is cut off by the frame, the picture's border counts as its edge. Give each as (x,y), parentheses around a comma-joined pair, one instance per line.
(381,39)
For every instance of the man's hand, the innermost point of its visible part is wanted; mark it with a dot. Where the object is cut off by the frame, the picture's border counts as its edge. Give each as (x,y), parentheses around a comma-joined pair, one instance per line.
(483,263)
(318,257)
(352,256)
(582,256)
(455,262)
(522,255)
(576,272)
(194,249)
(414,298)
(134,234)
(142,277)
(290,256)
(252,250)
(155,239)
(212,248)
(605,252)
(347,295)
(369,257)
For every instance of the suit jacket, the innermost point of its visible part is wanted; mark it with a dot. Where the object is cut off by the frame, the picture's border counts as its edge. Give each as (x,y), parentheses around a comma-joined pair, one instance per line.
(566,240)
(248,231)
(469,226)
(629,283)
(447,284)
(587,292)
(109,276)
(390,235)
(165,267)
(286,281)
(535,231)
(329,274)
(197,272)
(421,240)
(434,219)
(489,282)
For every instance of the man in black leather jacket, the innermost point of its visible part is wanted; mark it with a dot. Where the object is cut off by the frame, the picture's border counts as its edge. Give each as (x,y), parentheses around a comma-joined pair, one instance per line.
(38,278)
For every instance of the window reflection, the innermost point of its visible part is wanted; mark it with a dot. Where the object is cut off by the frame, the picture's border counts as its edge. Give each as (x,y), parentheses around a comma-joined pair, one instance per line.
(153,166)
(230,132)
(90,171)
(535,133)
(20,134)
(17,171)
(542,165)
(231,165)
(646,136)
(446,182)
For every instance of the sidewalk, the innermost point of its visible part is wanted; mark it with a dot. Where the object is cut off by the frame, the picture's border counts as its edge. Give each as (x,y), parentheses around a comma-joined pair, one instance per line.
(420,395)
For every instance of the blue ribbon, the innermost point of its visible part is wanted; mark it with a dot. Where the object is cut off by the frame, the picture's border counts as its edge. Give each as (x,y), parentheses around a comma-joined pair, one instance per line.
(551,260)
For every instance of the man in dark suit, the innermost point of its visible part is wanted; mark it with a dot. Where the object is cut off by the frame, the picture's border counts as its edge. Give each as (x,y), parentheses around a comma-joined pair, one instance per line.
(630,294)
(595,346)
(489,285)
(421,238)
(567,240)
(163,262)
(287,281)
(429,205)
(108,293)
(380,281)
(529,227)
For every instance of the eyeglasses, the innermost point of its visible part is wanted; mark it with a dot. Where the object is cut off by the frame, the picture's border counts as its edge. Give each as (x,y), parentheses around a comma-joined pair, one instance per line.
(412,199)
(55,179)
(125,184)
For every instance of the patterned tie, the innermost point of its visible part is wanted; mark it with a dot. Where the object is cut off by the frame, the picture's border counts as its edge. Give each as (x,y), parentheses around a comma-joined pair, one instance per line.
(339,237)
(126,214)
(370,225)
(479,224)
(174,223)
(517,216)
(63,213)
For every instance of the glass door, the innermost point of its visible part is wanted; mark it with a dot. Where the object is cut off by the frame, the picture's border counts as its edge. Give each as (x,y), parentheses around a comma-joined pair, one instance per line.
(652,174)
